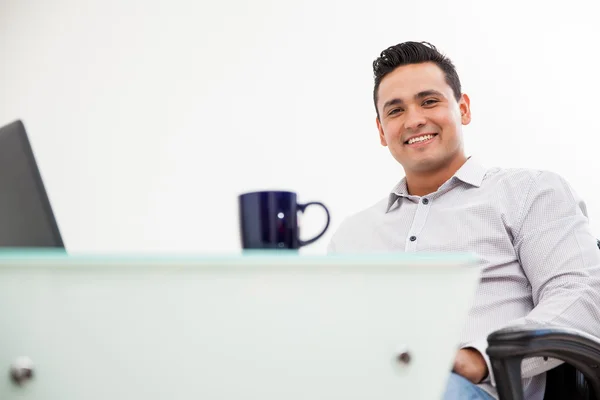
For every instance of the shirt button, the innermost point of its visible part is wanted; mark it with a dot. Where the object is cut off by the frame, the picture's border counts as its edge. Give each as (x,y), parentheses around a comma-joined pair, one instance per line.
(413,238)
(425,201)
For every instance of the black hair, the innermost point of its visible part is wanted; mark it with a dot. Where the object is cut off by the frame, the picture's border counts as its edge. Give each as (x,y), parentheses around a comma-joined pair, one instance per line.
(413,53)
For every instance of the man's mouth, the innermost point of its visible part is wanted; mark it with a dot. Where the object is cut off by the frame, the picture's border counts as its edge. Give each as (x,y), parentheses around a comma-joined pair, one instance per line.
(421,138)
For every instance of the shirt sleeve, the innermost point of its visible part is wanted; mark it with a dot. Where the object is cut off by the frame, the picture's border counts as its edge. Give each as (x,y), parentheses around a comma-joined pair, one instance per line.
(331,247)
(560,257)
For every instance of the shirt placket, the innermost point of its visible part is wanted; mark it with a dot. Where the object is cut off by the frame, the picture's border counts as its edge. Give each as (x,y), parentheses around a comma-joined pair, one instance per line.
(412,240)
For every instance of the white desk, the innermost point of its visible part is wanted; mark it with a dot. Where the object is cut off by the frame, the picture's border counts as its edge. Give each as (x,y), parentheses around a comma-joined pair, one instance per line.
(255,327)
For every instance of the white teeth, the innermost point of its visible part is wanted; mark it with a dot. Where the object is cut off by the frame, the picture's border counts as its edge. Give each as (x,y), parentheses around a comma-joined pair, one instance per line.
(420,139)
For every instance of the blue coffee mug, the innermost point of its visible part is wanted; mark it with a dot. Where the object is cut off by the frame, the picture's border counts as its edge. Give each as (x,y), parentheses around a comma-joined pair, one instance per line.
(269,220)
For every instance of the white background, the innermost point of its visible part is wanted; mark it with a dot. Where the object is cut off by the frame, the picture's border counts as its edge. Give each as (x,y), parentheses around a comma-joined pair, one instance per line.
(148,118)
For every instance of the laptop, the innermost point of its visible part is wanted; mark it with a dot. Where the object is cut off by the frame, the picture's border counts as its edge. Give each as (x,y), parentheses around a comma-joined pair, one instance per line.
(26,216)
(263,326)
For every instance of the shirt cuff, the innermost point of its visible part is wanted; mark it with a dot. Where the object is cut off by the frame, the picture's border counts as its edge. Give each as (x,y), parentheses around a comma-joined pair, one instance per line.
(481,346)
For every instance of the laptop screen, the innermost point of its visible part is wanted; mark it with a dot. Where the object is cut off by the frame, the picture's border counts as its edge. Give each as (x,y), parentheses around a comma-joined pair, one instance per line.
(26,217)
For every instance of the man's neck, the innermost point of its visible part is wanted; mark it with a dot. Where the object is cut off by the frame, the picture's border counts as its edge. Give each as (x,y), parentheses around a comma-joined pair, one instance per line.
(424,183)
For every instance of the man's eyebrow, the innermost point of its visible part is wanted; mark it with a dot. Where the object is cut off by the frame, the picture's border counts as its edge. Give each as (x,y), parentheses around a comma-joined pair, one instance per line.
(420,95)
(393,102)
(426,93)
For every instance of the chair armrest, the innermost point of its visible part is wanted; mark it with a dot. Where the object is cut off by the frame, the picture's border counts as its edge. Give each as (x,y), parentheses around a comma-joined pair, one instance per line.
(509,346)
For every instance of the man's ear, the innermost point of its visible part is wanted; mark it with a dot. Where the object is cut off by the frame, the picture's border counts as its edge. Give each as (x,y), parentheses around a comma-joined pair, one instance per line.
(381,134)
(464,105)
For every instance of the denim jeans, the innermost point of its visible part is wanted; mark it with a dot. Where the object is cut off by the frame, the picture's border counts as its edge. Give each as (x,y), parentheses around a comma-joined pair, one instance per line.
(459,388)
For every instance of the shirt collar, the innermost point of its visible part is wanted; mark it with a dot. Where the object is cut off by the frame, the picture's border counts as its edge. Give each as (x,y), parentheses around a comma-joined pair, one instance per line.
(471,173)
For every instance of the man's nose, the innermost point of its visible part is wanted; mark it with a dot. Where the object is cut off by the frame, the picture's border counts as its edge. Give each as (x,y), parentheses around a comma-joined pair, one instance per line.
(414,120)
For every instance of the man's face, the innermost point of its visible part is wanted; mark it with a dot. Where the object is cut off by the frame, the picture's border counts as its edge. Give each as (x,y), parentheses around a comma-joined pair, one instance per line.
(420,119)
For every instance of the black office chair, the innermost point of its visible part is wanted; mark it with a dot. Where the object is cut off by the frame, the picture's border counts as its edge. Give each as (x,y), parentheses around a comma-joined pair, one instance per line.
(576,379)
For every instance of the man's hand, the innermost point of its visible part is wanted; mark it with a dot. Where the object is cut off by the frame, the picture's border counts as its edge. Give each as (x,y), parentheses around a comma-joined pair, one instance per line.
(470,364)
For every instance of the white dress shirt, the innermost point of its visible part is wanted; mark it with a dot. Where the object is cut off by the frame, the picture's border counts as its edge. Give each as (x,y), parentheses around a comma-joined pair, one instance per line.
(539,260)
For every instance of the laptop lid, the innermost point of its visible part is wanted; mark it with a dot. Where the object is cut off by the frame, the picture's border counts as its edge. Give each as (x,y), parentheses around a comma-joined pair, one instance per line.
(26,217)
(263,327)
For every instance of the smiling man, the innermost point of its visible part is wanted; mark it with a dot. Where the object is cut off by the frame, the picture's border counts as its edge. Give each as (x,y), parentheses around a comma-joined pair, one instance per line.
(538,258)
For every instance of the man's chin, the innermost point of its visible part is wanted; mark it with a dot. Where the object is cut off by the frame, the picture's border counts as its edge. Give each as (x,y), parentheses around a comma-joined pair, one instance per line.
(423,165)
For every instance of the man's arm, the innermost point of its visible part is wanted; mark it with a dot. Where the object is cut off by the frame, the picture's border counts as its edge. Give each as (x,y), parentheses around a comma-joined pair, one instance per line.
(561,260)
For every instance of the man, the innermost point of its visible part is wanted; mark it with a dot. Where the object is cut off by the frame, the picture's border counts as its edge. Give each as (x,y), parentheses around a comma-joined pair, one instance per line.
(539,260)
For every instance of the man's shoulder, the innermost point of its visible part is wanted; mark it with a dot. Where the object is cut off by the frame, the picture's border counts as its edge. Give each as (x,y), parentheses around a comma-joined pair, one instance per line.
(513,175)
(366,215)
(518,185)
(522,178)
(358,224)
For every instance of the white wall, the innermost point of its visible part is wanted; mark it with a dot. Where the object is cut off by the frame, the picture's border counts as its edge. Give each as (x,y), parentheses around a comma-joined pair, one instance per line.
(148,118)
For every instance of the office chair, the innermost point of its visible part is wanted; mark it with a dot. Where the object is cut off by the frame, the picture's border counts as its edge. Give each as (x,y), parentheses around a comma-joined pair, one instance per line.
(576,379)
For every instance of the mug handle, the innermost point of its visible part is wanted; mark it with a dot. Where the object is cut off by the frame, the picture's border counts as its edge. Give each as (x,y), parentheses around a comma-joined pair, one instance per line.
(302,207)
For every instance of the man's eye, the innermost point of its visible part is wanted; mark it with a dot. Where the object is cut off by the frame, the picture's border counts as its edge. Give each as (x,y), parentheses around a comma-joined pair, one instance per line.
(395,111)
(429,102)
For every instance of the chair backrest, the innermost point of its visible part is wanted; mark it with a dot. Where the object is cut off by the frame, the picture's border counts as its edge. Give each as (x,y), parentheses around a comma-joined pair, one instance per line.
(565,382)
